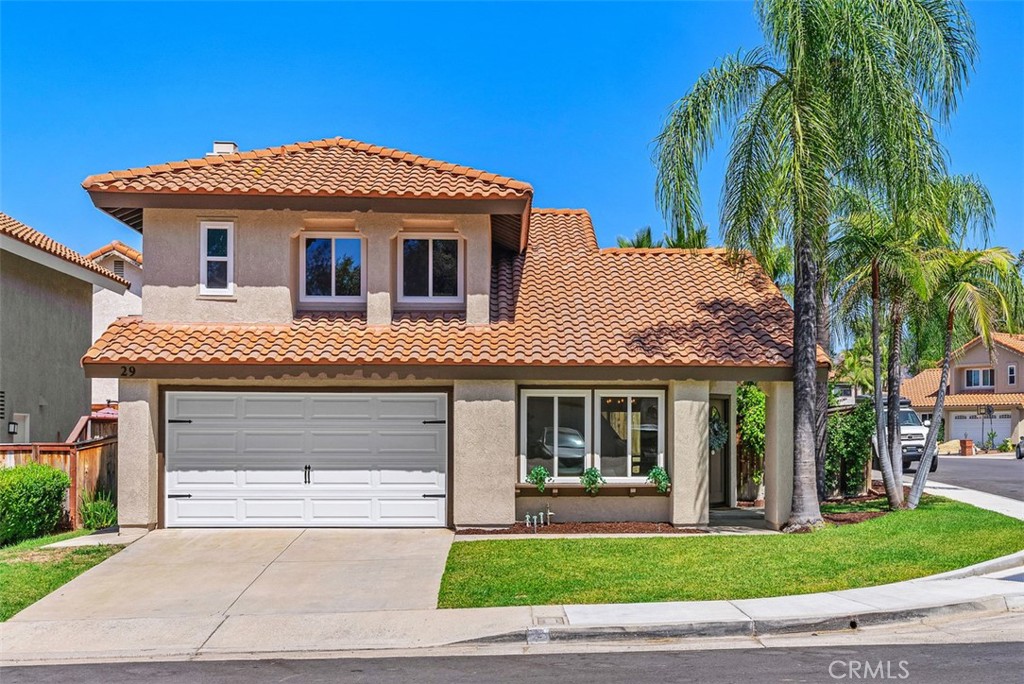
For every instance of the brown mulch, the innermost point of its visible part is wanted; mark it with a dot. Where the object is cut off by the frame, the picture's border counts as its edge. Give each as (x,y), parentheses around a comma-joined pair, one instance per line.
(851,518)
(591,528)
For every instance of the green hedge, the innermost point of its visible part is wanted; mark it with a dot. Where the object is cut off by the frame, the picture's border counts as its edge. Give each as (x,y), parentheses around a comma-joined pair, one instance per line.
(31,501)
(849,449)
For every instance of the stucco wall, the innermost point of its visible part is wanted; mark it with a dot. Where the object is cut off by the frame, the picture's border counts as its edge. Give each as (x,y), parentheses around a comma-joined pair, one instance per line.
(107,306)
(778,452)
(266,263)
(687,450)
(978,357)
(45,328)
(137,463)
(600,508)
(484,451)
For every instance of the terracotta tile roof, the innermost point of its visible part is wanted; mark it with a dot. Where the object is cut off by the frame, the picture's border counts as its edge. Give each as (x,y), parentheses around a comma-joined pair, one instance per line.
(562,302)
(116,247)
(921,388)
(982,399)
(17,230)
(329,167)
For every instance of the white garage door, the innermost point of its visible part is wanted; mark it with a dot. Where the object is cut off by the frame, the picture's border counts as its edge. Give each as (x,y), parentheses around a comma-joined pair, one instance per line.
(264,459)
(977,427)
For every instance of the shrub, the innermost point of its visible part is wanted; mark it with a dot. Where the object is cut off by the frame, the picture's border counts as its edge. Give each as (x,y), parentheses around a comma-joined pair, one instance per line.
(1006,446)
(98,510)
(849,449)
(592,480)
(31,501)
(539,477)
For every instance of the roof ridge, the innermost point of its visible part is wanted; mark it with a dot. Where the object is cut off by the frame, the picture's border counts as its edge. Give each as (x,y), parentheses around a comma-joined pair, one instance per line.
(281,150)
(540,210)
(668,250)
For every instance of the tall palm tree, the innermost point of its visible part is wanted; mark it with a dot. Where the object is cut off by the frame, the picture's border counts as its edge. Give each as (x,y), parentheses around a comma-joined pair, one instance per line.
(972,284)
(837,83)
(642,238)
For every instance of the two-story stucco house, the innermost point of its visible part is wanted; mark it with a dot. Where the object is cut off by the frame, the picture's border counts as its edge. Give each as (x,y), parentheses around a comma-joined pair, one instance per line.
(340,334)
(45,308)
(985,393)
(108,306)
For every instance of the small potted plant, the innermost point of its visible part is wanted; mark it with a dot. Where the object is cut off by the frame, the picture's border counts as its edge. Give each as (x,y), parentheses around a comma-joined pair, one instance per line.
(592,480)
(538,476)
(660,479)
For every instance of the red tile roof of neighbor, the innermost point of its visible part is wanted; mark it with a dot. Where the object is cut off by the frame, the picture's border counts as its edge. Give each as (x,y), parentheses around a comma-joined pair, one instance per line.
(14,228)
(563,302)
(923,387)
(115,247)
(1008,340)
(329,167)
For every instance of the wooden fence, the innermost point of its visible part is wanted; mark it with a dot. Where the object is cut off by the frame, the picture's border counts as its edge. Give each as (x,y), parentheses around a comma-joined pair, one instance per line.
(91,465)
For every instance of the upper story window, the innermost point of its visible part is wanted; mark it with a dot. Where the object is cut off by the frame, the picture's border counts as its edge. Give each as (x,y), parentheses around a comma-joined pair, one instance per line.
(331,268)
(1011,374)
(216,258)
(430,269)
(979,378)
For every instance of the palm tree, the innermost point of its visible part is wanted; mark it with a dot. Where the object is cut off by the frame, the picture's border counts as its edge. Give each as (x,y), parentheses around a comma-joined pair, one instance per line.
(642,238)
(855,367)
(972,284)
(837,84)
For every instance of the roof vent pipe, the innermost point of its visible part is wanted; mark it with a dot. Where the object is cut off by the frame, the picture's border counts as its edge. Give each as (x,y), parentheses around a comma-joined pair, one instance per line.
(223,147)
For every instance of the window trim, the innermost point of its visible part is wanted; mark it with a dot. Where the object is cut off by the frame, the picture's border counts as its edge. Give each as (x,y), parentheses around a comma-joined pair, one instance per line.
(981,378)
(460,287)
(588,455)
(331,299)
(629,394)
(204,259)
(1011,374)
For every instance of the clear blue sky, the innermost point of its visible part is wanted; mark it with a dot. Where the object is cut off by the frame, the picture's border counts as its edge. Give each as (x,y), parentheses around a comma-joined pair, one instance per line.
(565,96)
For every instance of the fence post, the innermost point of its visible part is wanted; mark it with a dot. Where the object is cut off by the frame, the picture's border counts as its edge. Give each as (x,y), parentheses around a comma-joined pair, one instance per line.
(73,490)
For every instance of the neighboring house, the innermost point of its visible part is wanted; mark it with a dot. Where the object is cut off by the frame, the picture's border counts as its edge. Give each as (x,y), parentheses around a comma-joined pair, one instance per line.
(845,393)
(45,311)
(108,306)
(977,383)
(340,334)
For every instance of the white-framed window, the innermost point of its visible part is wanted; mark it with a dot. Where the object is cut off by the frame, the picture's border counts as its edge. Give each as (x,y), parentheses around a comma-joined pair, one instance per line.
(216,258)
(926,416)
(331,268)
(555,432)
(430,268)
(1011,374)
(629,432)
(982,378)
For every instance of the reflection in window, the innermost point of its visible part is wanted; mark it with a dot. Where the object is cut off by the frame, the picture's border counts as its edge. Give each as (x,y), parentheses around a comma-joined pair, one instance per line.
(555,434)
(430,268)
(333,267)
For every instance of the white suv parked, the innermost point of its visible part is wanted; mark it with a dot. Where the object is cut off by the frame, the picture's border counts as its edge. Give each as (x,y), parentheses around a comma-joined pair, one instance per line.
(912,437)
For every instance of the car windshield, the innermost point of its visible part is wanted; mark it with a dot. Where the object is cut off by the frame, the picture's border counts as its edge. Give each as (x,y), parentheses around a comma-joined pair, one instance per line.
(909,419)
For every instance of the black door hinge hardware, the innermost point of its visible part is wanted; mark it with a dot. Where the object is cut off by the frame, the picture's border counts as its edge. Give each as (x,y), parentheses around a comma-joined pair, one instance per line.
(434,422)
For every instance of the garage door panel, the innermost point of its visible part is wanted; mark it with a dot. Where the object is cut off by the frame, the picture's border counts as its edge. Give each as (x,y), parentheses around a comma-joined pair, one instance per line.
(372,459)
(971,425)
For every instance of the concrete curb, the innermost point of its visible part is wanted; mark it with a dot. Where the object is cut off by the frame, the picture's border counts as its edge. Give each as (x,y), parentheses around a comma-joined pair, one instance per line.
(1012,560)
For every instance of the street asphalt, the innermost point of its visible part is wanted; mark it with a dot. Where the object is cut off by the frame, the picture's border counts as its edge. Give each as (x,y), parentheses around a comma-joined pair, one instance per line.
(1001,476)
(977,663)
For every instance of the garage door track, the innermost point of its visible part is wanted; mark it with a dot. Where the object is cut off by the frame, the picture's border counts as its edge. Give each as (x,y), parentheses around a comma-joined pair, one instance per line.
(205,573)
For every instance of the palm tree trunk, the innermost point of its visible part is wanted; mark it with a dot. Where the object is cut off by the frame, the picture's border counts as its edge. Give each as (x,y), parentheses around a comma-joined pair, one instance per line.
(893,489)
(893,388)
(805,512)
(930,442)
(821,389)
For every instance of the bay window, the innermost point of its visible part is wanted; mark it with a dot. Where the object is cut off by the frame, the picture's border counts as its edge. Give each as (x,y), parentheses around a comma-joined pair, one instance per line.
(430,269)
(619,432)
(331,268)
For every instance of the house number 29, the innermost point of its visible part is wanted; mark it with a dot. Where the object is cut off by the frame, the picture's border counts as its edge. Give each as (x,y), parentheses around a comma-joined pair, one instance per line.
(127,371)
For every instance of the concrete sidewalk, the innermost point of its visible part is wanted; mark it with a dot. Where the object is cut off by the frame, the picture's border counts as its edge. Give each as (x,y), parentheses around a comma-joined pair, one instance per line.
(1000,504)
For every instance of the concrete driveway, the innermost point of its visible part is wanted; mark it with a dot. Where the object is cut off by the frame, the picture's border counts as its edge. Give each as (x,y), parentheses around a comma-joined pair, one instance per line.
(209,573)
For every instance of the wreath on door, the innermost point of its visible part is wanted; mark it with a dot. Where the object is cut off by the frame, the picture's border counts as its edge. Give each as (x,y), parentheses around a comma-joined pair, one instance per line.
(718,431)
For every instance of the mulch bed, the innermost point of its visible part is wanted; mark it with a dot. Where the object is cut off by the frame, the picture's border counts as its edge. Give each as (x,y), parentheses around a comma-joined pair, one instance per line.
(591,528)
(851,518)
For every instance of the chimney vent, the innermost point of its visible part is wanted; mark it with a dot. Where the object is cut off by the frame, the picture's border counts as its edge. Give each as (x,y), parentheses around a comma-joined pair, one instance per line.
(223,147)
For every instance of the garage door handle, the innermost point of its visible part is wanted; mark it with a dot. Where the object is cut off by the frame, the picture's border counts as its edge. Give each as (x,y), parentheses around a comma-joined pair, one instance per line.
(179,420)
(434,496)
(434,422)
(179,496)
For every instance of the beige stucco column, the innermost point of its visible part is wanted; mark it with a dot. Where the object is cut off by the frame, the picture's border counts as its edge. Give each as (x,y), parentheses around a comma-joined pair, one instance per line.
(687,455)
(137,466)
(778,452)
(379,230)
(484,449)
(476,230)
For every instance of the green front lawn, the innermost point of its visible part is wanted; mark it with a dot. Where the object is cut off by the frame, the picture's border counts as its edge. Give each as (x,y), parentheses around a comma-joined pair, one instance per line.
(940,535)
(28,572)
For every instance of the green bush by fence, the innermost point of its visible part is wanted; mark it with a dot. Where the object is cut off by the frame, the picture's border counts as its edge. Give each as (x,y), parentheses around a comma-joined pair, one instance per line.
(31,501)
(849,449)
(98,511)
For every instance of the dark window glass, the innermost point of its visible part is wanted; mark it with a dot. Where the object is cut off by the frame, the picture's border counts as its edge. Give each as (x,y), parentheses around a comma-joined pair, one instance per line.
(415,268)
(446,268)
(347,268)
(572,450)
(614,429)
(217,275)
(318,267)
(644,440)
(217,242)
(540,422)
